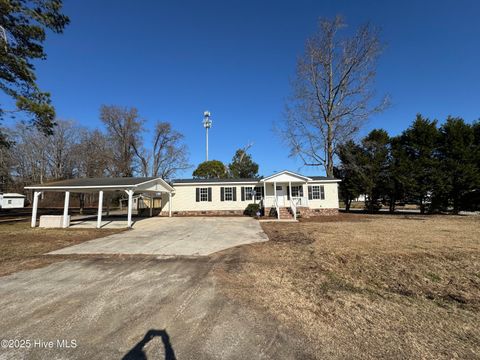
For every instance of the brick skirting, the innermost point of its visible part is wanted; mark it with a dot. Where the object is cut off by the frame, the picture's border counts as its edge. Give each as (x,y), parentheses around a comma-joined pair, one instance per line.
(308,213)
(205,213)
(304,212)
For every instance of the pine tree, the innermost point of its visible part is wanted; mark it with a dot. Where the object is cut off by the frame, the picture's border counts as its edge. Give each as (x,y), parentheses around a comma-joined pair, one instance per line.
(242,166)
(458,163)
(417,158)
(376,167)
(350,172)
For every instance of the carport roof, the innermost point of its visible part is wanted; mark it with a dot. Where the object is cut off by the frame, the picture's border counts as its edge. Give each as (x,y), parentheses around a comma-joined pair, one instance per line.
(112,183)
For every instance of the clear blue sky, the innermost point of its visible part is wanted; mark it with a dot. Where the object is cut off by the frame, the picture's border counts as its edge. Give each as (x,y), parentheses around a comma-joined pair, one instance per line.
(174,59)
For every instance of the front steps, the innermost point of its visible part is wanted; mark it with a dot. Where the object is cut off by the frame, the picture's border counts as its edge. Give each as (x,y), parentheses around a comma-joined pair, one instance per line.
(286,213)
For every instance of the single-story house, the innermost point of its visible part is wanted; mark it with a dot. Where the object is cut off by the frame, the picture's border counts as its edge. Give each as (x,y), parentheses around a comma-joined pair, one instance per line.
(284,195)
(279,194)
(12,201)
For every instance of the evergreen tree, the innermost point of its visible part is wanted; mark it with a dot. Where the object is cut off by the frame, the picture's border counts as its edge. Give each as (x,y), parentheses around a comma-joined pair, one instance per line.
(213,169)
(242,166)
(416,158)
(458,163)
(376,167)
(397,174)
(351,172)
(23,28)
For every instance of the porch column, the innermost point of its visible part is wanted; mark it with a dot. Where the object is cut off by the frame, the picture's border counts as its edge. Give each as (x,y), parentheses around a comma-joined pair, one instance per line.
(169,204)
(36,195)
(130,204)
(65,209)
(100,208)
(276,200)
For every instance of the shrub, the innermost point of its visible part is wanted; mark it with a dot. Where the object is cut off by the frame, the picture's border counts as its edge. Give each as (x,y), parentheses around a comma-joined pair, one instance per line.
(252,209)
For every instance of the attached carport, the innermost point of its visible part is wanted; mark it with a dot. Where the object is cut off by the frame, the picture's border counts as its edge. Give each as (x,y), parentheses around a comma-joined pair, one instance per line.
(152,185)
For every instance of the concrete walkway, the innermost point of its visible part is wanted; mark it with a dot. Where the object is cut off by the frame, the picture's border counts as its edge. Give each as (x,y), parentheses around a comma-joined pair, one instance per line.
(176,236)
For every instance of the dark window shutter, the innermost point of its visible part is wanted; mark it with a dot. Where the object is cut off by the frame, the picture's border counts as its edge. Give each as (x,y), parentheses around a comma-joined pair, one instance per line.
(263,191)
(322,192)
(310,193)
(234,193)
(222,193)
(209,194)
(288,192)
(197,194)
(242,191)
(300,191)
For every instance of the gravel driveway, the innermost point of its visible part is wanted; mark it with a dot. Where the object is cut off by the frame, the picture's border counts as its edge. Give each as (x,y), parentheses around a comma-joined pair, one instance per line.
(134,308)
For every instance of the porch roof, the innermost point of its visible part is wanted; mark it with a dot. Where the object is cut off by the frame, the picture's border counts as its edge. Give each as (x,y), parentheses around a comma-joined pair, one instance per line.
(286,176)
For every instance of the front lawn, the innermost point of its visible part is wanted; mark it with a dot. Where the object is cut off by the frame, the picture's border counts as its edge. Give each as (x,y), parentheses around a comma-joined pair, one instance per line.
(364,286)
(22,247)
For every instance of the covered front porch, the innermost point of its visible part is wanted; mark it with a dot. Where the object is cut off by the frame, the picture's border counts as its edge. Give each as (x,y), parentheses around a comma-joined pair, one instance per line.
(151,188)
(285,192)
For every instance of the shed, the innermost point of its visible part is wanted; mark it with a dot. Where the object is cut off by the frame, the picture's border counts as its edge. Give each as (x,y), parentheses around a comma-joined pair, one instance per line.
(148,185)
(12,201)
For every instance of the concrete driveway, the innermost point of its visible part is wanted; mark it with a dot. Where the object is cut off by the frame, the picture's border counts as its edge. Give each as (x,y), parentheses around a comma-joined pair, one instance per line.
(135,308)
(176,236)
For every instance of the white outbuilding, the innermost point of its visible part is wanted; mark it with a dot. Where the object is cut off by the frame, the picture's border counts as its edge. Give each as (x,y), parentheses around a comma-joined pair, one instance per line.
(12,201)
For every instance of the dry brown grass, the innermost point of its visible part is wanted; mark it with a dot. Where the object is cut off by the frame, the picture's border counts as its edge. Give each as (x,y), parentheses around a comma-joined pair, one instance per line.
(367,286)
(23,247)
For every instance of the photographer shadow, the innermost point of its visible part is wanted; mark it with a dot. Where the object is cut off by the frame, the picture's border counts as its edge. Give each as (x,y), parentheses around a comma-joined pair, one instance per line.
(138,353)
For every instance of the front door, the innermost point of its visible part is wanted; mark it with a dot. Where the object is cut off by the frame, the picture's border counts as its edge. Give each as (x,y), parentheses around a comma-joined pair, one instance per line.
(280,195)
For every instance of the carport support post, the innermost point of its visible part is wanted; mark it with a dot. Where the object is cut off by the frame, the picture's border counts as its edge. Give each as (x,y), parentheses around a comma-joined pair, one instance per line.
(36,195)
(169,204)
(65,208)
(100,208)
(130,204)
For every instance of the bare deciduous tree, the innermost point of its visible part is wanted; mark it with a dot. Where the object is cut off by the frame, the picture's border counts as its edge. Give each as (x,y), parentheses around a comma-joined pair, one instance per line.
(124,127)
(332,92)
(96,154)
(168,154)
(61,155)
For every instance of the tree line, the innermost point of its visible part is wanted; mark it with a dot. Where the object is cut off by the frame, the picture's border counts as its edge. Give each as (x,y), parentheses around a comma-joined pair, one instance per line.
(436,167)
(29,156)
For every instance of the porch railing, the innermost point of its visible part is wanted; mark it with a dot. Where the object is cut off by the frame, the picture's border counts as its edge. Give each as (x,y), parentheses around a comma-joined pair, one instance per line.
(271,201)
(293,206)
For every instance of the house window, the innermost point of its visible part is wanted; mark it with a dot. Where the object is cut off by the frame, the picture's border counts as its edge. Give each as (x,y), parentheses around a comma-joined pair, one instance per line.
(248,192)
(9,202)
(316,192)
(228,194)
(203,194)
(258,192)
(297,191)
